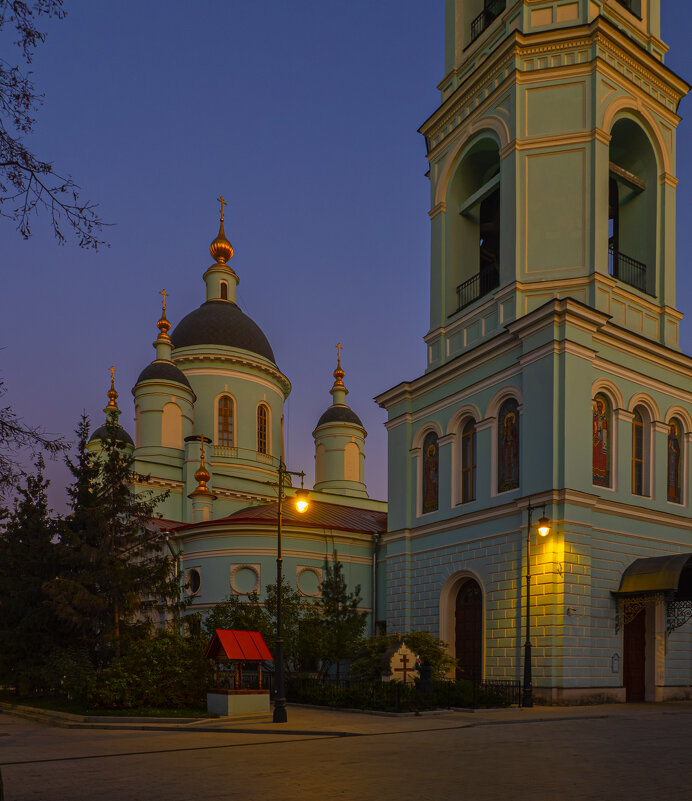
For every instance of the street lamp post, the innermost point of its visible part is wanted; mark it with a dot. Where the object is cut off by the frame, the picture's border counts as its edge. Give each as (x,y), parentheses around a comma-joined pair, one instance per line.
(543,530)
(280,715)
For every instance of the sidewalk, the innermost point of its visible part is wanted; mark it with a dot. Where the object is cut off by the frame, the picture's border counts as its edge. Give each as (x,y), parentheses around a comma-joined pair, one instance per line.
(324,722)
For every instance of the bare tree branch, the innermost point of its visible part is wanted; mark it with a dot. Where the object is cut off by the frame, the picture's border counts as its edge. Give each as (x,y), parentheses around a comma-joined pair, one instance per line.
(30,186)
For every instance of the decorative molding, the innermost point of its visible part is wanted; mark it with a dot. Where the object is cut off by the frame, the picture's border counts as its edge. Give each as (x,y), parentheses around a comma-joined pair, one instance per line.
(254,568)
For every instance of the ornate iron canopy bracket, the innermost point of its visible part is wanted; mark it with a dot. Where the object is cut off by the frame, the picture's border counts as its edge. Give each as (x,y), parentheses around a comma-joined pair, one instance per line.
(677,614)
(630,606)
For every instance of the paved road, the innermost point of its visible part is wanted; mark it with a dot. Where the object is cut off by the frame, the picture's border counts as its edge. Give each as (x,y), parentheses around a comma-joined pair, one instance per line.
(645,754)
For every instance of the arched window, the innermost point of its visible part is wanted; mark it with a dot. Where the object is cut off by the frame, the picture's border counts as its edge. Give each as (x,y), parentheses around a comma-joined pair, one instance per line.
(601,441)
(508,446)
(223,290)
(674,461)
(172,426)
(431,463)
(351,462)
(637,453)
(468,462)
(262,428)
(225,422)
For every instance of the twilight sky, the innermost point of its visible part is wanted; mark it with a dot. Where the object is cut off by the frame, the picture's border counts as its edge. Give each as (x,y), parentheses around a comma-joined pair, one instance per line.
(304,115)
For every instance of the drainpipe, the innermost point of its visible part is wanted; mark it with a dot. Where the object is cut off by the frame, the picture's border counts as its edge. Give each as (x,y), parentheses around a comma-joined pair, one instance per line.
(374,584)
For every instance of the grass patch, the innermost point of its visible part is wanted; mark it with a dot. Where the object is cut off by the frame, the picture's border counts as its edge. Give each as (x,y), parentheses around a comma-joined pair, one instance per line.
(60,704)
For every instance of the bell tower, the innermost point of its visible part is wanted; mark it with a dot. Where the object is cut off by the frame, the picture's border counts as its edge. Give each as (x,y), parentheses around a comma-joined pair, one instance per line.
(552,168)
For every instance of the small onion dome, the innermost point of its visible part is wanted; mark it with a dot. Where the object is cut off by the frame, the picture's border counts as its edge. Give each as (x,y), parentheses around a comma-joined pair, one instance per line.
(104,432)
(339,414)
(163,371)
(221,249)
(221,322)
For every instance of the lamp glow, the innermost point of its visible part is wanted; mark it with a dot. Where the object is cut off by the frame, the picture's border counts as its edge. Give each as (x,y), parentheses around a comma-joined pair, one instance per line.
(544,526)
(301,500)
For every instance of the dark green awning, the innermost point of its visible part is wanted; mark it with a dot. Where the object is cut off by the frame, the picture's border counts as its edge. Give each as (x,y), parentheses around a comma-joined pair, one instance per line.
(654,574)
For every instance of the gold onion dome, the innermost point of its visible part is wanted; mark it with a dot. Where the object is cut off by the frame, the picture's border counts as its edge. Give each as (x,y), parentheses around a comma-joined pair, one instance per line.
(112,394)
(221,249)
(338,373)
(163,324)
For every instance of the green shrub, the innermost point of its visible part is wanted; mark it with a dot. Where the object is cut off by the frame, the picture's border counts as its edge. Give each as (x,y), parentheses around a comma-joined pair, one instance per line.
(165,670)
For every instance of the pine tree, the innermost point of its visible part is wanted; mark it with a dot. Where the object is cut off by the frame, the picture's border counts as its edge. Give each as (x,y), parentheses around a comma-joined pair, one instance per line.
(118,569)
(343,625)
(30,631)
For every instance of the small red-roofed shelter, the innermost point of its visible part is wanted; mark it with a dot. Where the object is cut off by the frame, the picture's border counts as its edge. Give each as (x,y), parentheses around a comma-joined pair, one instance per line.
(235,645)
(234,691)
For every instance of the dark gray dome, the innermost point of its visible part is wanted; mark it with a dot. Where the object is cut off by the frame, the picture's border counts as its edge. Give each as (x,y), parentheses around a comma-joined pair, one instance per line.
(220,322)
(164,371)
(120,434)
(340,414)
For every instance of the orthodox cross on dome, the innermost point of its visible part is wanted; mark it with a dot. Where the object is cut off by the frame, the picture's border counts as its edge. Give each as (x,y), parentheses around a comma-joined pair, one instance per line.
(112,394)
(163,325)
(223,203)
(338,373)
(164,295)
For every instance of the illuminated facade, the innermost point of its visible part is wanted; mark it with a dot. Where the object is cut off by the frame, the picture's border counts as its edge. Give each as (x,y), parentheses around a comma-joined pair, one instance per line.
(554,374)
(208,430)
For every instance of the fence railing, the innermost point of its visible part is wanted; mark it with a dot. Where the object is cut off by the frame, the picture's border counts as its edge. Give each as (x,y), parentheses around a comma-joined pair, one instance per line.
(491,11)
(394,696)
(477,286)
(628,270)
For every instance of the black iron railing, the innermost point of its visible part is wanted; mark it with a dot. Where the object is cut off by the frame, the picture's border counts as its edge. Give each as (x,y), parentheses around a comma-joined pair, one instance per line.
(628,270)
(477,286)
(491,11)
(394,696)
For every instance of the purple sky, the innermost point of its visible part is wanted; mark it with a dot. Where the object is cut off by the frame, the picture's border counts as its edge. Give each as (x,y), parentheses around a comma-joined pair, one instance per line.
(304,115)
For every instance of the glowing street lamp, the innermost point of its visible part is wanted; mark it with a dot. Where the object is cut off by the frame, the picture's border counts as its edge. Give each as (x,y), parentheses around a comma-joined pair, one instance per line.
(301,498)
(543,529)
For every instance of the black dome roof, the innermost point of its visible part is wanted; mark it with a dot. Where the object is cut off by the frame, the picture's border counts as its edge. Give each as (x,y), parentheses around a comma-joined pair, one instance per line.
(166,371)
(120,434)
(220,322)
(340,414)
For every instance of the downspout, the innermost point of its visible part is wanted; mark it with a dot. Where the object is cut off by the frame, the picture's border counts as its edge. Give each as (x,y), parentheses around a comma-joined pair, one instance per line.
(374,584)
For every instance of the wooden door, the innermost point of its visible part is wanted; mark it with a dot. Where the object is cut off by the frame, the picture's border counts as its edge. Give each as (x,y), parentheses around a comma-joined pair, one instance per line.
(469,632)
(634,658)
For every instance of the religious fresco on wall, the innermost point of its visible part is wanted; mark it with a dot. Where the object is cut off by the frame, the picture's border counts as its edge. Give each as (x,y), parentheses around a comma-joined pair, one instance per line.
(674,461)
(508,446)
(431,464)
(601,441)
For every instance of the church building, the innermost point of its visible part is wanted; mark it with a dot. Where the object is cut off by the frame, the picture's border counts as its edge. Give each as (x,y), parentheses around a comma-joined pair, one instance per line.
(209,431)
(555,395)
(555,385)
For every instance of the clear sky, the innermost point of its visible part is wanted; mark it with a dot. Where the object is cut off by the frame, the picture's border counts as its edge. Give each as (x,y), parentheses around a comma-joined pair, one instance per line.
(304,115)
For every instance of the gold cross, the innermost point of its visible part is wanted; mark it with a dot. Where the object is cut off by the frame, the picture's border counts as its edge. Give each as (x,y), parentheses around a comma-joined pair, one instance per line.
(338,349)
(164,294)
(223,203)
(112,370)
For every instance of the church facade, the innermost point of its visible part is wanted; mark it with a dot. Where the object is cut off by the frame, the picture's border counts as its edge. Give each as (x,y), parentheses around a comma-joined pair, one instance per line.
(209,431)
(555,384)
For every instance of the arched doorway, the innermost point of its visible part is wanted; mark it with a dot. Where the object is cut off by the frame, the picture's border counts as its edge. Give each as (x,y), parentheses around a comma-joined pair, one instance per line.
(469,631)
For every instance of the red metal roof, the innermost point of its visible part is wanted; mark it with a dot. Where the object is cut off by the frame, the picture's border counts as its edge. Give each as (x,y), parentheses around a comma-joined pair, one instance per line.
(318,515)
(247,646)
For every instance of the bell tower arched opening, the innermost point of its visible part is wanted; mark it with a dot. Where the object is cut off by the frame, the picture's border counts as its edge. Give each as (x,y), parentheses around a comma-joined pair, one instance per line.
(632,207)
(474,228)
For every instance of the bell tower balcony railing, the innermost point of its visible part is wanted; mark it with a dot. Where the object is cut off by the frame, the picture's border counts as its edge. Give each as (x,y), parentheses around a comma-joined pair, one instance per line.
(628,270)
(492,10)
(478,285)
